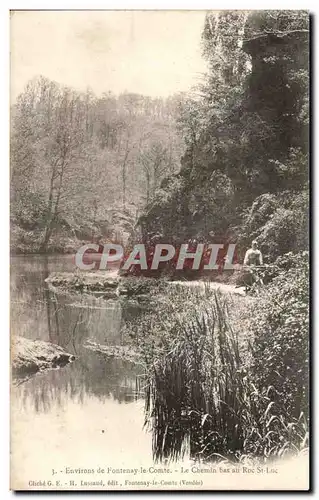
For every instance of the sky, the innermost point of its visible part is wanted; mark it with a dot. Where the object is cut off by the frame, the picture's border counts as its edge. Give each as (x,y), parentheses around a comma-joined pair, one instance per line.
(155,53)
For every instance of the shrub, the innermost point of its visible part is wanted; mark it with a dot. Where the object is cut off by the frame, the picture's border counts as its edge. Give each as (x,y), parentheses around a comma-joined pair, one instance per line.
(278,222)
(280,327)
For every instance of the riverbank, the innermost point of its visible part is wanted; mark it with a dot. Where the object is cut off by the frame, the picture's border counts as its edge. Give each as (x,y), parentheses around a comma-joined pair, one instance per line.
(227,374)
(112,284)
(29,243)
(124,352)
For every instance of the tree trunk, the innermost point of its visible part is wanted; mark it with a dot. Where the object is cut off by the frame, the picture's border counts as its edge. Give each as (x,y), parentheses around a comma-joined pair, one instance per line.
(124,174)
(52,206)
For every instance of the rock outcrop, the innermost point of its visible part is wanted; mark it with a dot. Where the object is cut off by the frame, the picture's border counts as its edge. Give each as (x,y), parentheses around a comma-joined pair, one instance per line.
(31,356)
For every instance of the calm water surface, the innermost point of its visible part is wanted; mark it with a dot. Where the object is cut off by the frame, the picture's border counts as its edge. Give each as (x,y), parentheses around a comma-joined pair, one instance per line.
(90,412)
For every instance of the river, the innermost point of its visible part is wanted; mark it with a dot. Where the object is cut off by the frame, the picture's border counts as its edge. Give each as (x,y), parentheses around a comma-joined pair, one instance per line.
(89,413)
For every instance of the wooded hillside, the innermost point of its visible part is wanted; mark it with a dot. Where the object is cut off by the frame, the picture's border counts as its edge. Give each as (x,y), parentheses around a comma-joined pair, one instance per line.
(227,163)
(84,166)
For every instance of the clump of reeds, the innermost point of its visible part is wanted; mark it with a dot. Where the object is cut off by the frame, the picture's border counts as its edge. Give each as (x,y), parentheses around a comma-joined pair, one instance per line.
(201,395)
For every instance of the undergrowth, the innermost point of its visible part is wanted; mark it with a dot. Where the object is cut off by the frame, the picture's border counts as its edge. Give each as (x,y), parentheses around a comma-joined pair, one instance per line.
(206,393)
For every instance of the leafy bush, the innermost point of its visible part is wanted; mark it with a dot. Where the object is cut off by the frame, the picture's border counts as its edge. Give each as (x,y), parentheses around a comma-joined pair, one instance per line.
(278,222)
(28,210)
(292,260)
(280,326)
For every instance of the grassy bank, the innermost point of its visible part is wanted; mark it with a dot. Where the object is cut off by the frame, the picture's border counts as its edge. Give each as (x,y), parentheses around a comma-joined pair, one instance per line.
(227,375)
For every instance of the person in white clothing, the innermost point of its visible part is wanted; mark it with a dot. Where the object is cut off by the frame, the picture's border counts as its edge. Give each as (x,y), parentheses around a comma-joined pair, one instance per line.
(253,256)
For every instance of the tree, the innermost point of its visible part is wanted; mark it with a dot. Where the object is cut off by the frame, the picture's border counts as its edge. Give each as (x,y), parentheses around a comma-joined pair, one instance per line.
(76,158)
(155,162)
(245,129)
(61,147)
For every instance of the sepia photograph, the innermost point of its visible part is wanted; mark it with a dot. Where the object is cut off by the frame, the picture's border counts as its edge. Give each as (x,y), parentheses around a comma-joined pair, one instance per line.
(159,250)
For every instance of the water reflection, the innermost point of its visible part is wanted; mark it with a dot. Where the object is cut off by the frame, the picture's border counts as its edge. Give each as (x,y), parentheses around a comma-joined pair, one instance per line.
(69,320)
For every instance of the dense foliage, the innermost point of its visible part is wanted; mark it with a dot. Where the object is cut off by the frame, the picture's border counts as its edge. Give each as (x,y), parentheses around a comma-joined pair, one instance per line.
(280,325)
(244,174)
(79,160)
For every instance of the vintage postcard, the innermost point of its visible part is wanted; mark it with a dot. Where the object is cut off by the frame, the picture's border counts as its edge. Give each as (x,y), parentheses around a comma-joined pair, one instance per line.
(159,250)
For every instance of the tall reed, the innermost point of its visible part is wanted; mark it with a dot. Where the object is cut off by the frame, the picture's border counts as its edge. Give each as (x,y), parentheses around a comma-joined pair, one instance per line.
(201,397)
